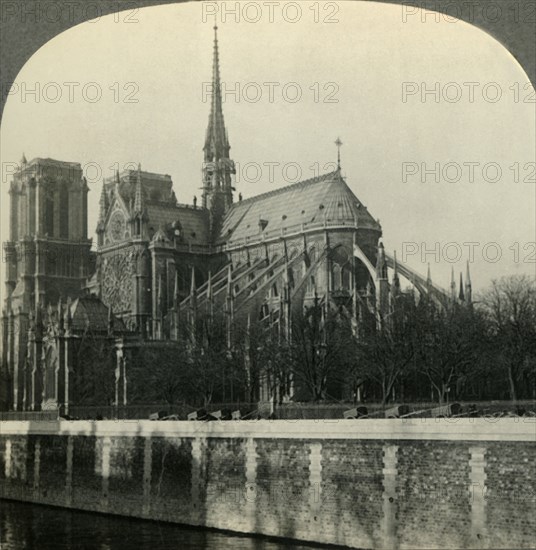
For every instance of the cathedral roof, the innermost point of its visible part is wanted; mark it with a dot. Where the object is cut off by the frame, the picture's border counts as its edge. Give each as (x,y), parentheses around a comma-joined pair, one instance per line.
(160,204)
(90,311)
(326,199)
(193,221)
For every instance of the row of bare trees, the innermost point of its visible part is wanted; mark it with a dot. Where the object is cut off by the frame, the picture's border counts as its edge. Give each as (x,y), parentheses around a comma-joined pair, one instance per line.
(486,350)
(418,352)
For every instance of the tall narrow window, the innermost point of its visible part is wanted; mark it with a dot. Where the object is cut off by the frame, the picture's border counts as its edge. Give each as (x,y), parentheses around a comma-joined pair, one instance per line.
(49,212)
(64,212)
(345,278)
(337,278)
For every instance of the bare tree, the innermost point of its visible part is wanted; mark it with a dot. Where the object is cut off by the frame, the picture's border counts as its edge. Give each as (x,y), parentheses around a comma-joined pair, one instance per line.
(93,377)
(322,348)
(510,305)
(449,340)
(207,360)
(164,375)
(386,351)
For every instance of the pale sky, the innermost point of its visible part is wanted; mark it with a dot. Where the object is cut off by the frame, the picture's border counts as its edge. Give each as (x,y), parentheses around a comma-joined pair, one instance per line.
(163,57)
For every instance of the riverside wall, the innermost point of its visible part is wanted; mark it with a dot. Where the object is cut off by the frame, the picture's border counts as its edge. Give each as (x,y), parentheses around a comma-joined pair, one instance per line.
(382,484)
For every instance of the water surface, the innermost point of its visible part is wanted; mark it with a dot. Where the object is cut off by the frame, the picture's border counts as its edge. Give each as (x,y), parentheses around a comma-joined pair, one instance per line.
(33,527)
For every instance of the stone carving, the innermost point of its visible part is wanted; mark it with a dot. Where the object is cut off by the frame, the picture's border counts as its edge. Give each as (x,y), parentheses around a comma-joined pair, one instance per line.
(117,282)
(51,367)
(117,227)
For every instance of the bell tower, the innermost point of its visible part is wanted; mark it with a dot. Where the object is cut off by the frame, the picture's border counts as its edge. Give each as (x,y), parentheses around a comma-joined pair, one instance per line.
(47,256)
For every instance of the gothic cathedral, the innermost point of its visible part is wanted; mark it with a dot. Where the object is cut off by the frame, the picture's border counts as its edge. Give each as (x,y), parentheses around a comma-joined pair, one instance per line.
(159,263)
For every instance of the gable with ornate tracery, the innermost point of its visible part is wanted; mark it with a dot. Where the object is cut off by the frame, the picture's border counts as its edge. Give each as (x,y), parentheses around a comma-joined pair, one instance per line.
(117,228)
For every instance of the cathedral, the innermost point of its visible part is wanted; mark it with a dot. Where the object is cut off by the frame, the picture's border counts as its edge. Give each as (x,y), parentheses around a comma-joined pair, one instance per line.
(158,264)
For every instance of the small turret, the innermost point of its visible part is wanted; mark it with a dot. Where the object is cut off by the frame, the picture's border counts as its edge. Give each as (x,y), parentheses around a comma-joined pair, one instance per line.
(103,210)
(68,317)
(381,265)
(60,316)
(396,278)
(139,212)
(452,285)
(139,202)
(468,286)
(110,321)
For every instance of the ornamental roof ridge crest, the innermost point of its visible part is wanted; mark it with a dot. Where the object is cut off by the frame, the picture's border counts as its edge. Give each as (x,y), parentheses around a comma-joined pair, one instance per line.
(330,176)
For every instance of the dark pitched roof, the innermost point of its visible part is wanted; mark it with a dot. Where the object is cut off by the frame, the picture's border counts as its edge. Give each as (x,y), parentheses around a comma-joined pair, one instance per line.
(89,310)
(161,205)
(312,202)
(194,222)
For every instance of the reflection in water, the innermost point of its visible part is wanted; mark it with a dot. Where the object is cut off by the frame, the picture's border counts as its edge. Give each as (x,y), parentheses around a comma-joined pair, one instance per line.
(33,527)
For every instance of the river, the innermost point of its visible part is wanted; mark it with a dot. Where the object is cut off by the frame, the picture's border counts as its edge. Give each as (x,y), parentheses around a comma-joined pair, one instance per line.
(34,527)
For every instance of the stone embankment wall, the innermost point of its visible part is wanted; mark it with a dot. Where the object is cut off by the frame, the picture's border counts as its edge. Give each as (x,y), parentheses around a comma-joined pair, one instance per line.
(420,483)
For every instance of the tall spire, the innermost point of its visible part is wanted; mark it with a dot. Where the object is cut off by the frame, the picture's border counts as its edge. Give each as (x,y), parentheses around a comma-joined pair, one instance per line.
(218,168)
(461,296)
(216,140)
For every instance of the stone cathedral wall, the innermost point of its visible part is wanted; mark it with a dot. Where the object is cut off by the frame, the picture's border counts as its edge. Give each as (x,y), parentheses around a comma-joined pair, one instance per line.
(420,483)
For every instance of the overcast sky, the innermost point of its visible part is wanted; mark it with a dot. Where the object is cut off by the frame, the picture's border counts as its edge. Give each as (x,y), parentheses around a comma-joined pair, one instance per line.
(351,75)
